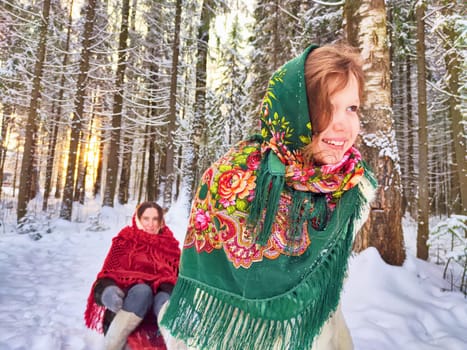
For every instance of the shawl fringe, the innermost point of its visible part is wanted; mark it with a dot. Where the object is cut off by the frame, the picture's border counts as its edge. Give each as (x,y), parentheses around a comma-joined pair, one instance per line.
(270,183)
(221,322)
(209,318)
(94,314)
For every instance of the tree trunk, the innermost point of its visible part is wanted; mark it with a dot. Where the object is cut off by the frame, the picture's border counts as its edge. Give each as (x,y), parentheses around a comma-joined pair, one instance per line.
(80,166)
(67,201)
(198,125)
(4,135)
(411,140)
(453,66)
(57,116)
(113,157)
(143,164)
(423,205)
(397,92)
(80,188)
(171,128)
(383,230)
(100,160)
(124,186)
(16,168)
(58,180)
(403,131)
(26,180)
(128,138)
(151,178)
(50,158)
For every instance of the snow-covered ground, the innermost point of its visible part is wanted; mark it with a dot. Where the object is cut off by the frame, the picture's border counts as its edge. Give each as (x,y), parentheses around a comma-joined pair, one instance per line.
(45,283)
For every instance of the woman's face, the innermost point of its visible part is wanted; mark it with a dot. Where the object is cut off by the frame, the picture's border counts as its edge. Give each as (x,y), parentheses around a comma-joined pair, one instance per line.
(329,146)
(150,220)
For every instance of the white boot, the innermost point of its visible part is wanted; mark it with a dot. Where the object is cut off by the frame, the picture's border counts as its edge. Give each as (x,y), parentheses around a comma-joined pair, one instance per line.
(122,325)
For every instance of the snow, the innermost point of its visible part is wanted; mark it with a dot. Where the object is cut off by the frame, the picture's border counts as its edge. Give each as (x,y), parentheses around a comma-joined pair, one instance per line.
(45,284)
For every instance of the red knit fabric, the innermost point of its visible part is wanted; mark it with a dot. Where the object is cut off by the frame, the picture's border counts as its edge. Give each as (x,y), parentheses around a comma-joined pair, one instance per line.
(137,257)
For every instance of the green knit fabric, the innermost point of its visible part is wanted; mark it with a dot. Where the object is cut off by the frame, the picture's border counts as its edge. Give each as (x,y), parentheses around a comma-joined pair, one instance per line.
(263,264)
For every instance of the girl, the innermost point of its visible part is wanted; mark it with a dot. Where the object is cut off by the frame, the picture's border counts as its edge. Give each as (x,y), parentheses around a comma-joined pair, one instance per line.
(273,220)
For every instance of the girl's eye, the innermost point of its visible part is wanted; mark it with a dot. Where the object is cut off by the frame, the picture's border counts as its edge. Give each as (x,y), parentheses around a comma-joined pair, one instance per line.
(352,108)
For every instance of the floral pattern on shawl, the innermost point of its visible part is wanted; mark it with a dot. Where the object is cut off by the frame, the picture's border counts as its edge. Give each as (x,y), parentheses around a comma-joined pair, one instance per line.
(221,207)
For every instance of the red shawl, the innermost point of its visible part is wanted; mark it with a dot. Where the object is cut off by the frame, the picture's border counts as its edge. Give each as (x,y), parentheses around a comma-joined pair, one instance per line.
(137,257)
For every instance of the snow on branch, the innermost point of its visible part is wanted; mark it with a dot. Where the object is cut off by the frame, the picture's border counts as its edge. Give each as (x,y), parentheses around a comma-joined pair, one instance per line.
(385,142)
(340,3)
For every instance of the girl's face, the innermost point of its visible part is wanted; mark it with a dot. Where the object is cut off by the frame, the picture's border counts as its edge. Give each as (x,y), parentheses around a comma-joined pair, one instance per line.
(150,220)
(330,145)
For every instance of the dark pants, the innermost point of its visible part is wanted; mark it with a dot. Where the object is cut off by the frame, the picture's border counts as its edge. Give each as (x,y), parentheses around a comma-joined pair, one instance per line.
(139,300)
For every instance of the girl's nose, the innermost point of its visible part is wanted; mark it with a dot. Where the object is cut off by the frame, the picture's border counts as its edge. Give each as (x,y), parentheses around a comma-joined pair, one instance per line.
(338,120)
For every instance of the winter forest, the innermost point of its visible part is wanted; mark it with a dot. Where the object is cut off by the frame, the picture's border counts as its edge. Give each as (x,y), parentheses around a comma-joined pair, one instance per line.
(131,100)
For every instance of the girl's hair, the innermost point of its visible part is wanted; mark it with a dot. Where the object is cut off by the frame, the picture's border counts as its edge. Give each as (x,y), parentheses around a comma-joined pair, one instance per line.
(328,70)
(145,205)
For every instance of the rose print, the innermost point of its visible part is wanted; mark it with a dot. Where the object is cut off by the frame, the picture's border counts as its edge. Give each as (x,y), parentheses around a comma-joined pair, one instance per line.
(235,183)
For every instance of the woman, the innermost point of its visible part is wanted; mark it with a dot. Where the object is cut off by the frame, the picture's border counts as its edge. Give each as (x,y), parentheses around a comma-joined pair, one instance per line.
(273,220)
(137,277)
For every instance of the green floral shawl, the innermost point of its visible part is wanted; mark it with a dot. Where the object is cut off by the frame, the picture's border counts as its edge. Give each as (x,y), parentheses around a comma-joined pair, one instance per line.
(268,238)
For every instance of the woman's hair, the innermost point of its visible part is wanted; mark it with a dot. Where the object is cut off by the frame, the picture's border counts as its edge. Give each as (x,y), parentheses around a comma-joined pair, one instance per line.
(328,70)
(145,205)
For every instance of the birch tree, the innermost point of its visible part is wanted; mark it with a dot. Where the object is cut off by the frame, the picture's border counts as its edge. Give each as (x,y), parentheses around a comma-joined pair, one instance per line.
(365,26)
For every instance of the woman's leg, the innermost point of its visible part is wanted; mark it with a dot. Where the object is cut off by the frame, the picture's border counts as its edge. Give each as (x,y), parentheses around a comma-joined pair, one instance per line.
(135,306)
(159,299)
(138,299)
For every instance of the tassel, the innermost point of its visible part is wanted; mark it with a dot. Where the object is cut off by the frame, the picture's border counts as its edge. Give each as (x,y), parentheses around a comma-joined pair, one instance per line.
(309,208)
(263,178)
(269,185)
(277,183)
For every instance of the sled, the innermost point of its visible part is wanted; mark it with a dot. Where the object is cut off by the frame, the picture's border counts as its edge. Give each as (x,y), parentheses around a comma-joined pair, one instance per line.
(146,337)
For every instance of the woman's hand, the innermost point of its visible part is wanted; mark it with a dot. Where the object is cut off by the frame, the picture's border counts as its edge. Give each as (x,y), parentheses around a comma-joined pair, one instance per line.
(112,298)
